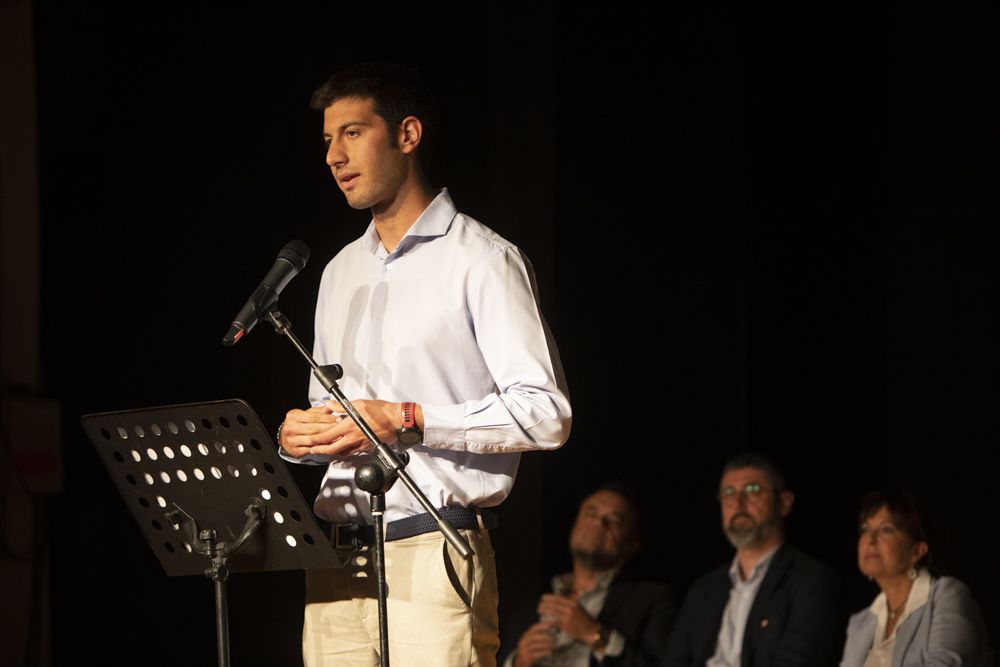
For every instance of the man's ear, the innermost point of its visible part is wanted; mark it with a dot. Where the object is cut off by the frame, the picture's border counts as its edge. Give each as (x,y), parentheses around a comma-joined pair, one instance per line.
(411,131)
(633,547)
(785,501)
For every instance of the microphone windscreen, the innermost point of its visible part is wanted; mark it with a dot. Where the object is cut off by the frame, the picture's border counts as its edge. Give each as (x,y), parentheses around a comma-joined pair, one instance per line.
(295,253)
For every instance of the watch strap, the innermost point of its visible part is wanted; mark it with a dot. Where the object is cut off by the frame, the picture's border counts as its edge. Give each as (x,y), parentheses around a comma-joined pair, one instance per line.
(409,414)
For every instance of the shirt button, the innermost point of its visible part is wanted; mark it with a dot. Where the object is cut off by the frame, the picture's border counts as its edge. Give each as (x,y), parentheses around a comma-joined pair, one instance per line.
(388,267)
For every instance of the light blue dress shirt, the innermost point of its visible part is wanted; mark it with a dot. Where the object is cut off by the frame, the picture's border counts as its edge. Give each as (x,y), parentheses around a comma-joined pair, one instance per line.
(734,619)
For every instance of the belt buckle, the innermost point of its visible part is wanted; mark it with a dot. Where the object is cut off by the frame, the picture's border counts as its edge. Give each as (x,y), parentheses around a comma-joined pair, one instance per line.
(348,536)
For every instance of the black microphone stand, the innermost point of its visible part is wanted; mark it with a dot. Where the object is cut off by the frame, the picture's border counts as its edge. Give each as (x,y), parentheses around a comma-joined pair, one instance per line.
(375,477)
(372,477)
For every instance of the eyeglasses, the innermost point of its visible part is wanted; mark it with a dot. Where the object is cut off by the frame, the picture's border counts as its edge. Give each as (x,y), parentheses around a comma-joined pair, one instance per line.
(752,492)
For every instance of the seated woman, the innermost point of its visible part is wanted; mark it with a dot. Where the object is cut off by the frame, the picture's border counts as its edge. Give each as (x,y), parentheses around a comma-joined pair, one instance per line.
(917,619)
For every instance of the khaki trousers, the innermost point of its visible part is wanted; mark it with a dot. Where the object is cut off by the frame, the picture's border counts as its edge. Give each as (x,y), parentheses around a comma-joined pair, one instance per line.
(442,610)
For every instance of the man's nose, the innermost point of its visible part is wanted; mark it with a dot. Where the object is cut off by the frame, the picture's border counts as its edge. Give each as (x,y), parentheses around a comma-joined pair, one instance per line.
(335,155)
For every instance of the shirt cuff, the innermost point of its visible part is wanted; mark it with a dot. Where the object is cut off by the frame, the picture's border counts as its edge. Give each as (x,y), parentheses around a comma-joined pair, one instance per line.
(444,425)
(615,647)
(309,459)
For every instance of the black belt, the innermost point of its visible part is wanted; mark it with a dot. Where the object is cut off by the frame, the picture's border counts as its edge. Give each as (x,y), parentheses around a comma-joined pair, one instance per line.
(357,535)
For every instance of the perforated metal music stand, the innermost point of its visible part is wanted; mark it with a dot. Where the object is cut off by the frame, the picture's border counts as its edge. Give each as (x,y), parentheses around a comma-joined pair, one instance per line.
(210,494)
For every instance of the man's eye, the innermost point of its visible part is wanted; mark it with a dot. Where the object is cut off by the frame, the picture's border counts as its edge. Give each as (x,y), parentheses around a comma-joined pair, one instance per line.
(353,133)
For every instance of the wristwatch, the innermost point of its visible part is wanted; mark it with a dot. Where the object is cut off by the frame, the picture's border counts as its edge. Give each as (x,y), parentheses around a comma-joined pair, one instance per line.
(600,639)
(409,435)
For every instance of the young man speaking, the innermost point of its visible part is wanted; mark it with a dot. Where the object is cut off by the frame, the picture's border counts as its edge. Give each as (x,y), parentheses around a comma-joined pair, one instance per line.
(435,320)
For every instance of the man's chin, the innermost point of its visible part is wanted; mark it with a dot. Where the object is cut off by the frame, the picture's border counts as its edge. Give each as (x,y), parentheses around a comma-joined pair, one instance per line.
(357,200)
(358,204)
(595,559)
(742,536)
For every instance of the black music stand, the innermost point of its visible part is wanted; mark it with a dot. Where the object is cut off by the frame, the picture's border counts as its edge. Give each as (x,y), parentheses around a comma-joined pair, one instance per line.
(204,481)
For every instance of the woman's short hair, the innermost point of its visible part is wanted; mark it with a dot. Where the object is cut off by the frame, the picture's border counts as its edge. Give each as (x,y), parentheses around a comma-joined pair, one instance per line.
(903,509)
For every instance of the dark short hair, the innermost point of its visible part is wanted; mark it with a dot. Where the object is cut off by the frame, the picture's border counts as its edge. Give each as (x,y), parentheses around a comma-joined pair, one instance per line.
(397,92)
(903,509)
(775,475)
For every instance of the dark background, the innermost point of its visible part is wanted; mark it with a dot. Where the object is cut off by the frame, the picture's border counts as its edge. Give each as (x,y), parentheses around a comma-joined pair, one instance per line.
(769,230)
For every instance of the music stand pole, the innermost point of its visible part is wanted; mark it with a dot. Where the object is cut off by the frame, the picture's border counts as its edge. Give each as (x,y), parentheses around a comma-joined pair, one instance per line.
(219,573)
(218,551)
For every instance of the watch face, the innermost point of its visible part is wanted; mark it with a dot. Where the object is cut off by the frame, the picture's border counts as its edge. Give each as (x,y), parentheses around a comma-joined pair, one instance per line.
(409,436)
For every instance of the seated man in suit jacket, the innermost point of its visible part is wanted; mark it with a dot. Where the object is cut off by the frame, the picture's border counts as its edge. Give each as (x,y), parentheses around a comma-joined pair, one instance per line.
(773,606)
(596,615)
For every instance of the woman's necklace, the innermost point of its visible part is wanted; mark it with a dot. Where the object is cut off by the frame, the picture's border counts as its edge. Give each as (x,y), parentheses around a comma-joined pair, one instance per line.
(893,613)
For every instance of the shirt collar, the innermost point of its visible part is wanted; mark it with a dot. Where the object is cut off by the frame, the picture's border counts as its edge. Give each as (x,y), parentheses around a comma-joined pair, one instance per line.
(758,570)
(919,594)
(433,222)
(563,583)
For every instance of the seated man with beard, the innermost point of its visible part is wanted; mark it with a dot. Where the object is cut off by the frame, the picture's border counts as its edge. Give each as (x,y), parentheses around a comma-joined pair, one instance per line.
(596,614)
(771,606)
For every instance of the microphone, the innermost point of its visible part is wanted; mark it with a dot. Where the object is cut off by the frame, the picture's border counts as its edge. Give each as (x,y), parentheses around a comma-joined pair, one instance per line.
(291,260)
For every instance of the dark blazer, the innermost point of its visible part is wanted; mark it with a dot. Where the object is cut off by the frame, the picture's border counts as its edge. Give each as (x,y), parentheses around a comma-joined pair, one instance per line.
(796,619)
(642,611)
